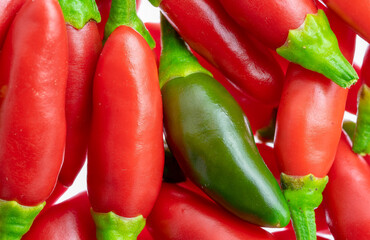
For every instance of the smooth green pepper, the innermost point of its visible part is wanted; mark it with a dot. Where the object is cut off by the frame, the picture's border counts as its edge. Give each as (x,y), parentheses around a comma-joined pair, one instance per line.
(210,137)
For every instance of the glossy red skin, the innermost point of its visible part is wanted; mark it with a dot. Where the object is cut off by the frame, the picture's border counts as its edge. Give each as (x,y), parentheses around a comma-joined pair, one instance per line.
(84,49)
(306,141)
(104,8)
(33,126)
(8,10)
(68,220)
(309,123)
(181,214)
(126,155)
(209,31)
(351,104)
(346,197)
(155,30)
(269,20)
(365,70)
(355,13)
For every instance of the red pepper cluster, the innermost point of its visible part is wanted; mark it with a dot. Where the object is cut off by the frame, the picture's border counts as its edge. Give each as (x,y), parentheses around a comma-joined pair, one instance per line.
(79,80)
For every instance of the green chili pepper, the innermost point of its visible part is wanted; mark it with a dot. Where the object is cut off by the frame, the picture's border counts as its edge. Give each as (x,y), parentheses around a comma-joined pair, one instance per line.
(210,137)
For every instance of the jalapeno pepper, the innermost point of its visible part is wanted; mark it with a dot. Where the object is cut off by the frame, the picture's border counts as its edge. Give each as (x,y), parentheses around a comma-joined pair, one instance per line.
(34,64)
(84,47)
(125,156)
(181,214)
(199,115)
(346,197)
(298,31)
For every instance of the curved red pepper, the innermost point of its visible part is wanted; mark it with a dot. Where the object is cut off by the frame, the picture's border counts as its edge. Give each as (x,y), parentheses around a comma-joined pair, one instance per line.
(270,20)
(355,13)
(155,30)
(126,147)
(70,219)
(347,195)
(104,8)
(208,30)
(32,120)
(181,214)
(8,10)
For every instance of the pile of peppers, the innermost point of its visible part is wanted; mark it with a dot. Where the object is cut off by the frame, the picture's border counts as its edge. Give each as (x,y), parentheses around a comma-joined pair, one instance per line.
(224,121)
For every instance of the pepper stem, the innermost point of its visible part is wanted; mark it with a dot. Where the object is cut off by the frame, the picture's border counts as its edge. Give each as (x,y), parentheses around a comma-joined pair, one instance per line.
(16,219)
(314,46)
(361,139)
(78,12)
(110,226)
(123,12)
(303,194)
(176,59)
(155,3)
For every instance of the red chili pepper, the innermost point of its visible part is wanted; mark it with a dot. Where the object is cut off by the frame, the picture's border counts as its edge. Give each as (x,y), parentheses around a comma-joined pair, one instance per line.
(104,8)
(355,13)
(208,30)
(84,47)
(125,156)
(155,30)
(34,63)
(351,104)
(306,141)
(298,32)
(70,219)
(347,195)
(181,214)
(268,155)
(8,10)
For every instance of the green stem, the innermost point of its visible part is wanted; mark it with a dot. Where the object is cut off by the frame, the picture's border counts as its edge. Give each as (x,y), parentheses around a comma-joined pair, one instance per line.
(110,226)
(303,194)
(155,3)
(16,219)
(314,46)
(123,12)
(361,141)
(78,12)
(176,59)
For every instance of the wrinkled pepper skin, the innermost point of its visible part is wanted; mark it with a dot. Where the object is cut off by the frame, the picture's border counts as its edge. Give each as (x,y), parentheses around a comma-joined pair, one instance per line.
(32,120)
(355,13)
(233,173)
(70,219)
(209,31)
(347,195)
(271,20)
(181,214)
(126,155)
(8,10)
(298,32)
